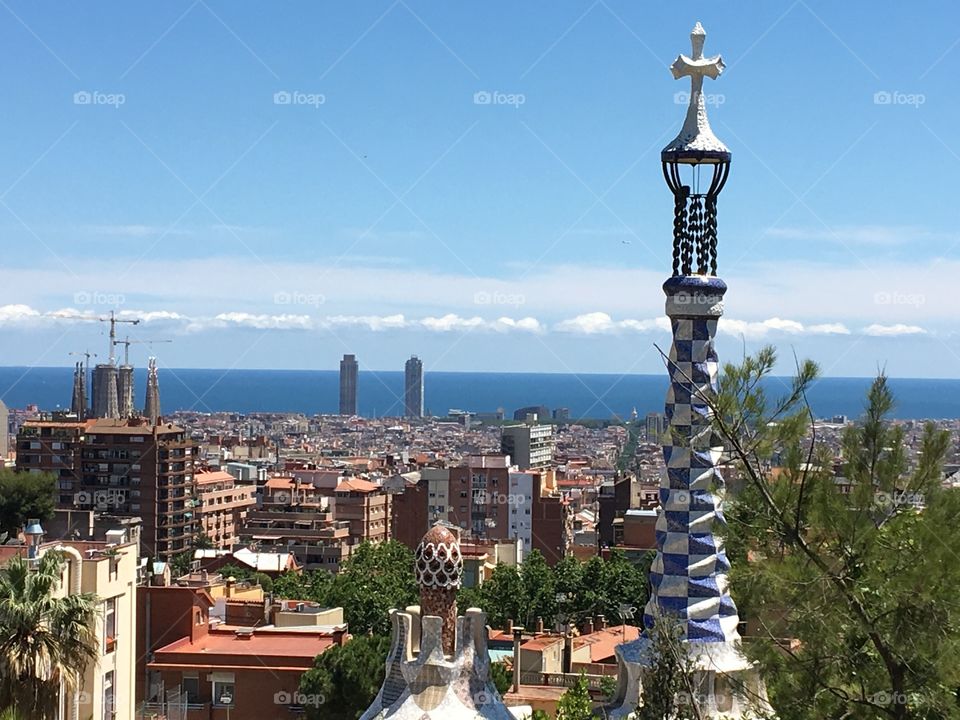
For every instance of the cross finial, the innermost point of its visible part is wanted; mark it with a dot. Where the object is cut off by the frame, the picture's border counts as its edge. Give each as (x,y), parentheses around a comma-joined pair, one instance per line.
(696,135)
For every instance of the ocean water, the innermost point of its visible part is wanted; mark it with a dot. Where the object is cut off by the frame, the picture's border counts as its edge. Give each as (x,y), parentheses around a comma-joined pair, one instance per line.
(380,393)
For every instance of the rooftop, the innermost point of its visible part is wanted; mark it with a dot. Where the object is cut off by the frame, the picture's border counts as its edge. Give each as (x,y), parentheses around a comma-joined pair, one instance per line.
(294,650)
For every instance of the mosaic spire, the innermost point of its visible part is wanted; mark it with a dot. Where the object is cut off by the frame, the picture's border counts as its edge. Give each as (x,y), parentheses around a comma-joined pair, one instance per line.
(438,667)
(688,578)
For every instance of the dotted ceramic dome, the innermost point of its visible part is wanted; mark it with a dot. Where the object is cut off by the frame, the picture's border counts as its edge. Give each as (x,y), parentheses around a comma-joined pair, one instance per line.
(439,562)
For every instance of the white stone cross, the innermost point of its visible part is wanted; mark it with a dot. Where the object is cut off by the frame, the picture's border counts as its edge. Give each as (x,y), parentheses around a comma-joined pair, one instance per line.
(696,135)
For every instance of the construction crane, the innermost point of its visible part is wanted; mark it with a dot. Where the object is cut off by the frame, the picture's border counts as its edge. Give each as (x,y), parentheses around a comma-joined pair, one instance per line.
(86,354)
(113,331)
(127,342)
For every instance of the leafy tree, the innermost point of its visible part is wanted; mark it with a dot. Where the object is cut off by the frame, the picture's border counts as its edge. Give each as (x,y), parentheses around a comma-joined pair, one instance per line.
(314,585)
(502,677)
(502,596)
(570,591)
(44,641)
(539,590)
(345,679)
(863,582)
(575,703)
(247,574)
(669,683)
(25,495)
(375,579)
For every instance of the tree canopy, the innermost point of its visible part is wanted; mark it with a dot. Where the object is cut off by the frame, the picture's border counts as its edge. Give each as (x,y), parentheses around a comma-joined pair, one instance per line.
(845,561)
(345,679)
(569,591)
(25,495)
(374,580)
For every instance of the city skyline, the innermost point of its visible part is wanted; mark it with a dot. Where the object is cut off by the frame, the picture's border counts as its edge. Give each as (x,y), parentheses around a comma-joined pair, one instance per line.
(488,226)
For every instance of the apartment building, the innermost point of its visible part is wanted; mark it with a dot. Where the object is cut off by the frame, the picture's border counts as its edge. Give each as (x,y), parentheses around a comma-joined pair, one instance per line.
(221,506)
(108,570)
(120,468)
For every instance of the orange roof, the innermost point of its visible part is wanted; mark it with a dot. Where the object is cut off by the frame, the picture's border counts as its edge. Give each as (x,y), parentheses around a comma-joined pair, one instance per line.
(214,476)
(356,485)
(603,642)
(290,648)
(280,483)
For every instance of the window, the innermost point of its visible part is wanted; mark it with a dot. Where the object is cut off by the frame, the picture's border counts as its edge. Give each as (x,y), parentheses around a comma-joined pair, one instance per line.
(190,684)
(223,692)
(109,625)
(109,711)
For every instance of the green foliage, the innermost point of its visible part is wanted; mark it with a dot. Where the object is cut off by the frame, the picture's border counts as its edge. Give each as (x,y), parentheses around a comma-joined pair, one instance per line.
(539,715)
(501,676)
(668,684)
(570,591)
(608,686)
(23,496)
(314,585)
(44,641)
(575,703)
(865,584)
(345,679)
(374,580)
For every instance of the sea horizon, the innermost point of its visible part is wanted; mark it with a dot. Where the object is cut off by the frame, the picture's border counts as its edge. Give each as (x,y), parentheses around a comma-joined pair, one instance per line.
(595,396)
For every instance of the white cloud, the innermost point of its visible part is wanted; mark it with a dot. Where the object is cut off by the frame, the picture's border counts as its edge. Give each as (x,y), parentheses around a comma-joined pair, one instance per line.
(15,314)
(450,321)
(893,330)
(828,329)
(600,322)
(265,322)
(527,324)
(371,322)
(155,316)
(587,324)
(762,328)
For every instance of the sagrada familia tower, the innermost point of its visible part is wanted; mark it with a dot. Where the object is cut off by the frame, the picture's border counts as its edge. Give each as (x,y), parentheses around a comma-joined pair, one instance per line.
(689,574)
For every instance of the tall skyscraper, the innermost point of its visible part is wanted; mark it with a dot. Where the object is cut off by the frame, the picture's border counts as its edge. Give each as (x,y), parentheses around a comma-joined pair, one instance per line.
(349,372)
(413,388)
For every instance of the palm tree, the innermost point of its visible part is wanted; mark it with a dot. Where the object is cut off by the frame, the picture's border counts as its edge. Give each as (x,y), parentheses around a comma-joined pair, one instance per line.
(45,641)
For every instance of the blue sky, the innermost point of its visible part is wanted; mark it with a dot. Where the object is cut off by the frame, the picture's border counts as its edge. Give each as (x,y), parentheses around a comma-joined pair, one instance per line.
(152,165)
